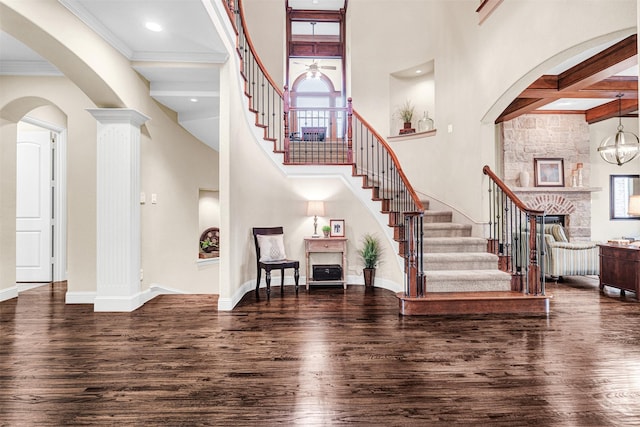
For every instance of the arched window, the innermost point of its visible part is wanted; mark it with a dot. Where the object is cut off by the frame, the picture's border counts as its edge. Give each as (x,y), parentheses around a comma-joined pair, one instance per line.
(313,98)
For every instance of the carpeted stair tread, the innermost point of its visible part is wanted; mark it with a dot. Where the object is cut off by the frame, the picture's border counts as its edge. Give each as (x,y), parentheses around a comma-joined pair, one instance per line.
(454,244)
(437,217)
(460,261)
(446,229)
(467,281)
(448,275)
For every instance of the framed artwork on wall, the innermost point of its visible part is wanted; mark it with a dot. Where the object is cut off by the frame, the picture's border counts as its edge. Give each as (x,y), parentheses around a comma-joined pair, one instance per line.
(549,172)
(337,227)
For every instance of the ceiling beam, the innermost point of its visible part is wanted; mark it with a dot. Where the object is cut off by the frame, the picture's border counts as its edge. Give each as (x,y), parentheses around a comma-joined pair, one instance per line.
(608,88)
(614,59)
(611,109)
(521,106)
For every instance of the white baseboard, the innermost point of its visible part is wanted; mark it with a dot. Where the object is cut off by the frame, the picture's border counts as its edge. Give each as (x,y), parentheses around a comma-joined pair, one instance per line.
(22,287)
(79,297)
(121,303)
(227,304)
(8,293)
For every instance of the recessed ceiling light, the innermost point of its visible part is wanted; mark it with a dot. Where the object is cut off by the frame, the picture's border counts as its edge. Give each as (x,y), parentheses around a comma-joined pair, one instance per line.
(194,100)
(315,1)
(418,71)
(153,26)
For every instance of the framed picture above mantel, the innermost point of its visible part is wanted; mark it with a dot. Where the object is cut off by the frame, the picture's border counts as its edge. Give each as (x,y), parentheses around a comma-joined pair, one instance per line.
(549,172)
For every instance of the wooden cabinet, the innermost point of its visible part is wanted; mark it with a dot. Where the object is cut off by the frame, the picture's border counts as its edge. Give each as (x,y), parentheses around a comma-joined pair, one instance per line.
(620,267)
(336,245)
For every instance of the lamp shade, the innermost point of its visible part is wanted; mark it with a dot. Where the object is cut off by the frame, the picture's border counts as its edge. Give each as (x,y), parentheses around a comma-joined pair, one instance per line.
(634,205)
(315,208)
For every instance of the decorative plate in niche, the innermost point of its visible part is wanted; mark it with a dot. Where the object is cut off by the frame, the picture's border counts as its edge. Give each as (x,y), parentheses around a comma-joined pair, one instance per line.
(211,237)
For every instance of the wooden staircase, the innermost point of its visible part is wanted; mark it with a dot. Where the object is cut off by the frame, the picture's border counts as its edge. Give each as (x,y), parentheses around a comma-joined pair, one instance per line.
(462,277)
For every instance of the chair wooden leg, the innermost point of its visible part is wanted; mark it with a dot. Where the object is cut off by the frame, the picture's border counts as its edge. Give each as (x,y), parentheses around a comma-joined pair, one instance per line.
(258,282)
(267,277)
(296,276)
(282,281)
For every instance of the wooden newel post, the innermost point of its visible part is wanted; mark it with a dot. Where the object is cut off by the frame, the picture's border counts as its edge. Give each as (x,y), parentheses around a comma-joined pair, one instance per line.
(534,268)
(414,275)
(349,130)
(285,107)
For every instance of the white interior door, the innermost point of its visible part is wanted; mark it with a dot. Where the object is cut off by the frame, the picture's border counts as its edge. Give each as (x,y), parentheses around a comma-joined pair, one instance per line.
(33,207)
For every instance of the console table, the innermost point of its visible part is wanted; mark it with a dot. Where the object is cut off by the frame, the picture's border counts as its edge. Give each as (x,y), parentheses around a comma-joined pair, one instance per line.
(620,267)
(326,245)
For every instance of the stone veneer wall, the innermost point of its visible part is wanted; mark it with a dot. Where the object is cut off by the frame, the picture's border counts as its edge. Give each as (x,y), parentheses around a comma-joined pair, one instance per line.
(529,136)
(563,136)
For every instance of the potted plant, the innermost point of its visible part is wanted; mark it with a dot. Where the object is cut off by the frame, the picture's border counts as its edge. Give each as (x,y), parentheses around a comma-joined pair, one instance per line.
(208,246)
(325,230)
(405,112)
(370,252)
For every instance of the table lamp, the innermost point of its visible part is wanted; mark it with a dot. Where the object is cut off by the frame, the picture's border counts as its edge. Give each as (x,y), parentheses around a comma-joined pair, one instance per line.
(315,208)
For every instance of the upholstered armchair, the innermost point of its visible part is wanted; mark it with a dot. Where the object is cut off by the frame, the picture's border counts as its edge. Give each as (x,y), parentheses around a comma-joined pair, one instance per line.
(564,258)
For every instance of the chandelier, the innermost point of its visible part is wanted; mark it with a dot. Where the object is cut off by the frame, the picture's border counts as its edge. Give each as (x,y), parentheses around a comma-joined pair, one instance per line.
(622,147)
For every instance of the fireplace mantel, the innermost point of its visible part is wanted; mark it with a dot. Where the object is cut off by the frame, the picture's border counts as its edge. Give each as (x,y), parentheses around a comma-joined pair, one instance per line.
(555,189)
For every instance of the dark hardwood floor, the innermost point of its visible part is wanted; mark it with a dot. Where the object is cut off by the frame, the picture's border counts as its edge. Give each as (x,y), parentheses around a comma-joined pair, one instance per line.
(326,357)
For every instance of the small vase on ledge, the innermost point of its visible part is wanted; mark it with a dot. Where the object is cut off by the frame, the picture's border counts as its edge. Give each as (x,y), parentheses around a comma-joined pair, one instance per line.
(524,179)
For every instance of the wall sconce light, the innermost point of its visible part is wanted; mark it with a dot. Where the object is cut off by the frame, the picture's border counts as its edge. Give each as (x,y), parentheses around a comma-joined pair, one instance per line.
(622,147)
(315,209)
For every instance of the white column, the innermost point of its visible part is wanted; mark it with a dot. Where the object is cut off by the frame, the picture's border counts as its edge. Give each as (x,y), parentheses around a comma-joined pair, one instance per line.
(118,209)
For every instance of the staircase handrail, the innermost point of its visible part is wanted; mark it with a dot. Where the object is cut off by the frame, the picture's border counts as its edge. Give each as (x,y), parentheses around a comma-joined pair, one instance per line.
(487,171)
(249,41)
(419,207)
(516,236)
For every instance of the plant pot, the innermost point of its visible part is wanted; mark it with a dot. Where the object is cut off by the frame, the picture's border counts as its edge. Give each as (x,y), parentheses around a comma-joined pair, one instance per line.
(407,125)
(369,276)
(326,233)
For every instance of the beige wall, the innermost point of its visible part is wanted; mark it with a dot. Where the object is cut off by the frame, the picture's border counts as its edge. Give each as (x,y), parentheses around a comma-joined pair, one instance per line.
(8,130)
(174,164)
(266,21)
(81,183)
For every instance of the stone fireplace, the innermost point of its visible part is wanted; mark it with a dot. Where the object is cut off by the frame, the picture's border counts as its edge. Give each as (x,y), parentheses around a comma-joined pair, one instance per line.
(562,136)
(572,203)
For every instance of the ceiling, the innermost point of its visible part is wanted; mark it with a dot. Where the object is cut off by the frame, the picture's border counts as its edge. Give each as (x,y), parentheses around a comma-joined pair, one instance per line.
(182,62)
